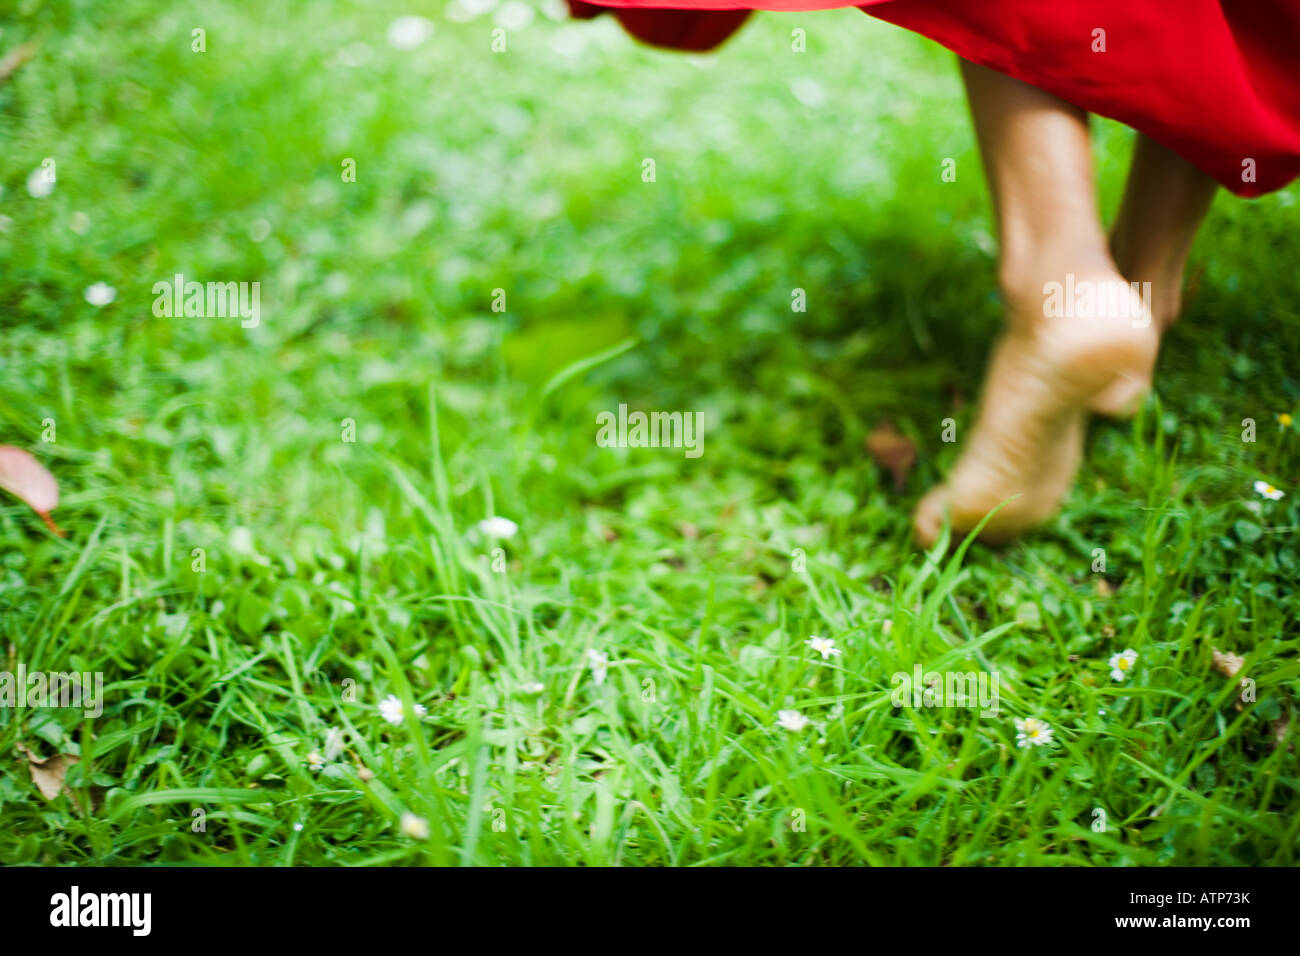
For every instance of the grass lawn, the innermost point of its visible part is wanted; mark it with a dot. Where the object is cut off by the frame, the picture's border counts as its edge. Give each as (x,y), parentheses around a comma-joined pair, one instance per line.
(252,584)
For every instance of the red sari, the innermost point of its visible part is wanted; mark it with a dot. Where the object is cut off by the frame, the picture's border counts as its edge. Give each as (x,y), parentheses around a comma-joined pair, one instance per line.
(1217,81)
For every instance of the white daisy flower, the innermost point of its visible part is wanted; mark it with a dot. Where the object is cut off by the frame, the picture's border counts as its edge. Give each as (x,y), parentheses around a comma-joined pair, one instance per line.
(792,720)
(888,627)
(406,33)
(1120,664)
(498,527)
(333,743)
(315,761)
(825,646)
(1032,732)
(808,92)
(40,183)
(1266,490)
(100,294)
(514,15)
(390,708)
(417,828)
(556,10)
(598,661)
(533,688)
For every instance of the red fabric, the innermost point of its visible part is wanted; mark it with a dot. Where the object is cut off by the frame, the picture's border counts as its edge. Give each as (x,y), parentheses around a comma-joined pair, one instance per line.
(695,30)
(1217,81)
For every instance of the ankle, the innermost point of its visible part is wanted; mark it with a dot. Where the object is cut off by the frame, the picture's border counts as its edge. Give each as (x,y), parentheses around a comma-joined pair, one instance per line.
(1165,290)
(1165,276)
(1027,279)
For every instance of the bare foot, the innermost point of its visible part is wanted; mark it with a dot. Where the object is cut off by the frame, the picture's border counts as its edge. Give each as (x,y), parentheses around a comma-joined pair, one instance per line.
(1045,373)
(1161,292)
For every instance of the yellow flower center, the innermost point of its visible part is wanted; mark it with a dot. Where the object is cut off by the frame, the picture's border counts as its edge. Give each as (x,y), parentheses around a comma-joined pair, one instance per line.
(1123,663)
(1285,420)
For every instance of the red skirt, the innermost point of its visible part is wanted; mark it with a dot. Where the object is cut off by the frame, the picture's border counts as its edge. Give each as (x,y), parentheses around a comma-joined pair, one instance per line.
(1217,81)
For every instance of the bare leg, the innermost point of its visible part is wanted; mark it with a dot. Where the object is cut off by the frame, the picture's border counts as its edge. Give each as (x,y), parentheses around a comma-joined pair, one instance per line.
(1048,367)
(1165,199)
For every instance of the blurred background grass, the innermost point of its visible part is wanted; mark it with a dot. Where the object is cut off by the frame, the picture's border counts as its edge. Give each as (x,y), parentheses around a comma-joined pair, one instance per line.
(522,171)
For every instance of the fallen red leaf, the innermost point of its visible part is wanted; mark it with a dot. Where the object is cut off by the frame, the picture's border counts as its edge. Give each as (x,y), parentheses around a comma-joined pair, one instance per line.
(26,479)
(892,450)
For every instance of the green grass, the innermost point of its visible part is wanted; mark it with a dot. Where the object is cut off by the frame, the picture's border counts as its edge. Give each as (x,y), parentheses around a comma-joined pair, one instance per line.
(334,566)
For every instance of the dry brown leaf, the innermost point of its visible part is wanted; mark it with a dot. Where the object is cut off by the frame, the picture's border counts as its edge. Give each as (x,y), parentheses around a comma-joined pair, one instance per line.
(893,451)
(48,773)
(26,478)
(1227,664)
